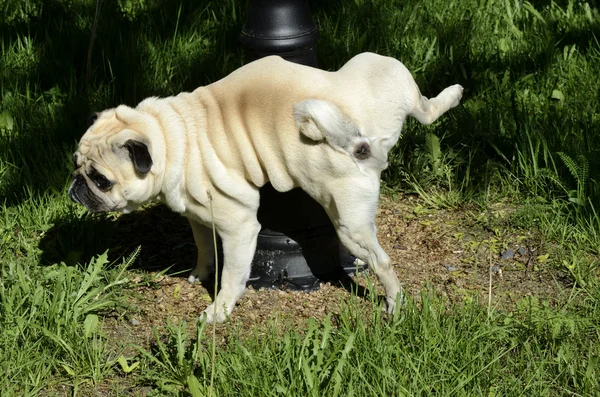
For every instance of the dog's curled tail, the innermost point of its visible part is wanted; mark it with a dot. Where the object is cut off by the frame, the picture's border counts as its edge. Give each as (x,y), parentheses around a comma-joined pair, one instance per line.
(323,121)
(428,110)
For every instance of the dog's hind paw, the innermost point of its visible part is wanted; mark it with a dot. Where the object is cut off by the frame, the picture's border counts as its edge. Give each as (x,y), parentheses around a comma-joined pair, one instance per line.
(210,316)
(394,304)
(454,93)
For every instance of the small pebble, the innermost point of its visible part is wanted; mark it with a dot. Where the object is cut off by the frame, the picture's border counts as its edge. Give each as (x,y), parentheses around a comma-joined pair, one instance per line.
(135,322)
(496,269)
(508,254)
(522,251)
(451,268)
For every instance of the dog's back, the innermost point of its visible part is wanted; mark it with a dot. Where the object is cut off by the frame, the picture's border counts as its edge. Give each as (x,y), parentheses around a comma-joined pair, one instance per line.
(378,93)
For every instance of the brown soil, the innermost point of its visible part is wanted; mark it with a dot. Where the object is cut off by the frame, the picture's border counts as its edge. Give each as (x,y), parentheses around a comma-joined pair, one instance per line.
(451,251)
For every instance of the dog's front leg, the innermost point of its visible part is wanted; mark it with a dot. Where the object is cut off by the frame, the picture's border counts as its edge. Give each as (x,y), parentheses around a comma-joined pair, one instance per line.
(239,244)
(203,237)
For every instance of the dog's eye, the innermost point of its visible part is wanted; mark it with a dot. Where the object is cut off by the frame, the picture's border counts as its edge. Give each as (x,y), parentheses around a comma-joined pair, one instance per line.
(100,180)
(103,183)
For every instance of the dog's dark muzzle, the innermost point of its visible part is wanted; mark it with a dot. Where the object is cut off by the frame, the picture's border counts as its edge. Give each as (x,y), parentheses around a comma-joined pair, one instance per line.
(80,193)
(77,184)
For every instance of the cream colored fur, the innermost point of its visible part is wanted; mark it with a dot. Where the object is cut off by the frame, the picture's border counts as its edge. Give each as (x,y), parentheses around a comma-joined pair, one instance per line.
(269,121)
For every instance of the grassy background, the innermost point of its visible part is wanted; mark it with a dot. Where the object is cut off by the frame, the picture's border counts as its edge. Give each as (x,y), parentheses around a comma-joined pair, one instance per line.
(527,132)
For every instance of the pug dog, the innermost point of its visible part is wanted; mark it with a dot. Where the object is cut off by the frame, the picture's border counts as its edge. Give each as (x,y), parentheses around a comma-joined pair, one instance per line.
(328,133)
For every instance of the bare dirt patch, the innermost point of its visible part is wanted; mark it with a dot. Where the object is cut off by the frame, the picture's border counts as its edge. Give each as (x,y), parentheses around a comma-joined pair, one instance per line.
(449,250)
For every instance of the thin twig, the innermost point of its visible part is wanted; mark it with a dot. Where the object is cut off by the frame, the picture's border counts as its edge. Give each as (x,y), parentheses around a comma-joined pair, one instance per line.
(214,333)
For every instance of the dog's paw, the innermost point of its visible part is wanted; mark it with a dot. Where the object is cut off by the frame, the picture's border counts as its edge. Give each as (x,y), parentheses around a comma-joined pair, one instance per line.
(394,304)
(209,314)
(455,94)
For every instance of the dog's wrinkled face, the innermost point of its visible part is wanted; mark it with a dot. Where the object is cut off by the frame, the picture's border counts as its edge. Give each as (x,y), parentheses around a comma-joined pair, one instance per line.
(112,165)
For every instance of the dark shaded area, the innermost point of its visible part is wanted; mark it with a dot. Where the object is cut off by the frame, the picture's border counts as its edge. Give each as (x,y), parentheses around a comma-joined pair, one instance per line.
(165,238)
(167,242)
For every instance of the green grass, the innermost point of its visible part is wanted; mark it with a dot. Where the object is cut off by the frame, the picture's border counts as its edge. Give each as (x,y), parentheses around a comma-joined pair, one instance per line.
(526,133)
(50,325)
(427,349)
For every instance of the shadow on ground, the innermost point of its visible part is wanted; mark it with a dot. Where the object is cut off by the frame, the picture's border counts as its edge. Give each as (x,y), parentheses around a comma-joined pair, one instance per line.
(167,243)
(165,238)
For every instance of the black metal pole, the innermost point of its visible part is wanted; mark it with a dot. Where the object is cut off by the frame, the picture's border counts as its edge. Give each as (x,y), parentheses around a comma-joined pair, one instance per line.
(297,247)
(280,27)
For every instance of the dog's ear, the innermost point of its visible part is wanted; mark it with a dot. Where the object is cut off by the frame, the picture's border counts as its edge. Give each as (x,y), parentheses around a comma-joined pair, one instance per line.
(126,115)
(139,155)
(92,119)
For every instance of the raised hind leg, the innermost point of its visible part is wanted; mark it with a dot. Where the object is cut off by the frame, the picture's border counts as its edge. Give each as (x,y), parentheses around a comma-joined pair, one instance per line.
(428,110)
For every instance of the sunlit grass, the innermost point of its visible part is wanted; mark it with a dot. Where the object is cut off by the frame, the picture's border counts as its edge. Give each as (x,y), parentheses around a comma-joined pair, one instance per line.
(427,349)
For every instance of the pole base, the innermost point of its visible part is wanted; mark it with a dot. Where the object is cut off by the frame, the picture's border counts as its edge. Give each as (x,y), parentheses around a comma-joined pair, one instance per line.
(297,248)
